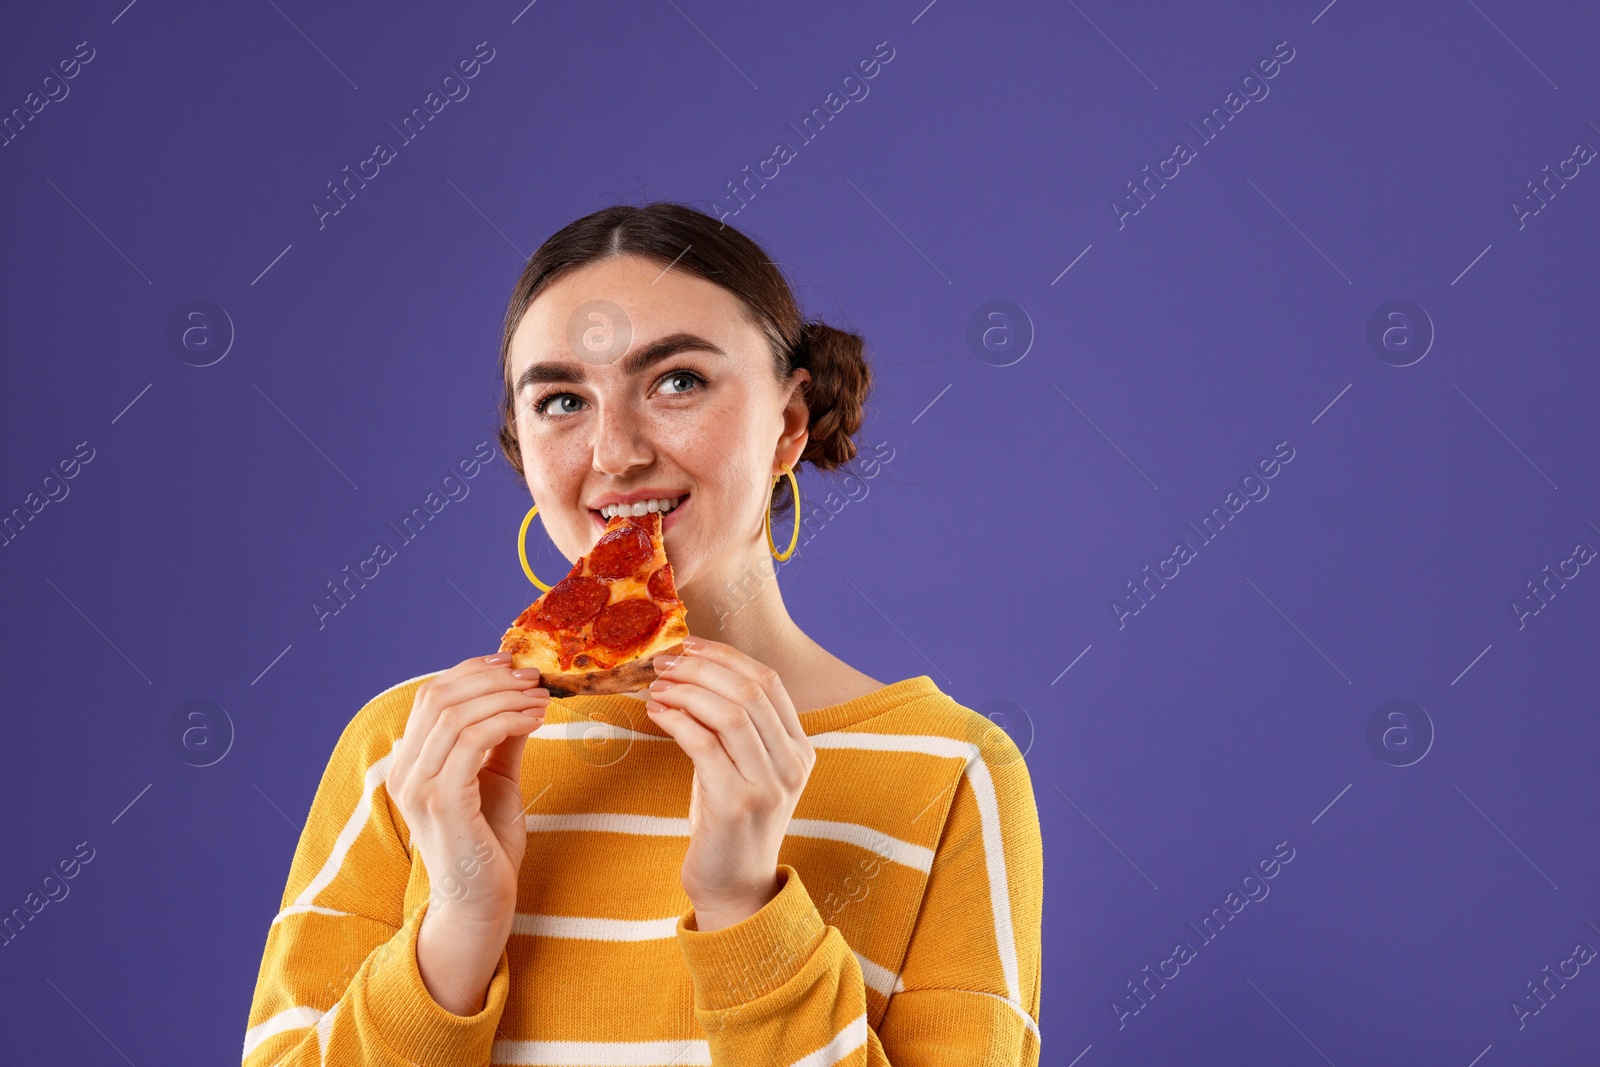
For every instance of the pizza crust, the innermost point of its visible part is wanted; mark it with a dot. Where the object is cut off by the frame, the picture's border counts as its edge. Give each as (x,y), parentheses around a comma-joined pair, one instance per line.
(626,677)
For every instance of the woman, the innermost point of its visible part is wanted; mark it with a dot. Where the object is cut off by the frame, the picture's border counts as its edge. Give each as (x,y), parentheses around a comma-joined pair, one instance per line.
(768,857)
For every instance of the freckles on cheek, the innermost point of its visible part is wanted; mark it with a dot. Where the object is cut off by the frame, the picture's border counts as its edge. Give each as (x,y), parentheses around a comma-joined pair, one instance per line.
(551,469)
(705,447)
(728,425)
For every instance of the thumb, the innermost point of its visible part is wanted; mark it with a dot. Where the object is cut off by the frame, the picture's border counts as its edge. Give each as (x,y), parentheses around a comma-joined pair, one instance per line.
(500,785)
(505,758)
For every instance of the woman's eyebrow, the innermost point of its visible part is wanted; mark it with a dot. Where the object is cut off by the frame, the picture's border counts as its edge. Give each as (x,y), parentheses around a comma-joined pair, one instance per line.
(642,359)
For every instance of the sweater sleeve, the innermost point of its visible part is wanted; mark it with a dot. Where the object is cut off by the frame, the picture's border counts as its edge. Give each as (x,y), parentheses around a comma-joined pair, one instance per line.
(784,988)
(339,983)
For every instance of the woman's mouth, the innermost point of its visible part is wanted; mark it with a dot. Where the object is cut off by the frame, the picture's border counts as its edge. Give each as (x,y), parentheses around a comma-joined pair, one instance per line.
(669,517)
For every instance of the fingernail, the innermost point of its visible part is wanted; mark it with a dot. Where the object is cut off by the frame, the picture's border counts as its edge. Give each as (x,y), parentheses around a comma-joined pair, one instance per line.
(660,684)
(540,693)
(498,657)
(692,643)
(663,663)
(526,674)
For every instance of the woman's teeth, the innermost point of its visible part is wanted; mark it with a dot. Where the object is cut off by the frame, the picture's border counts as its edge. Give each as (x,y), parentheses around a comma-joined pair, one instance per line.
(640,507)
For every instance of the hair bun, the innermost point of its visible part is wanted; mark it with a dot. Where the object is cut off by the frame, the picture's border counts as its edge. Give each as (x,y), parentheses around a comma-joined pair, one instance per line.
(837,393)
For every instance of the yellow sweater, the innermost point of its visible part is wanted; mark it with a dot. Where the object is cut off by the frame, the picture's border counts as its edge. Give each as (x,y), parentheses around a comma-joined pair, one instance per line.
(906,931)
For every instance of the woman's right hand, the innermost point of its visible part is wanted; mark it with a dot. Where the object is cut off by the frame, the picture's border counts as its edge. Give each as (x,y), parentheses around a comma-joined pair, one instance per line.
(456,779)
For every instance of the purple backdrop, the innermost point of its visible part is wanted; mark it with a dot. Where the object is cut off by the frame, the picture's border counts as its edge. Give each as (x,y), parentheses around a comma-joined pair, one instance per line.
(1350,321)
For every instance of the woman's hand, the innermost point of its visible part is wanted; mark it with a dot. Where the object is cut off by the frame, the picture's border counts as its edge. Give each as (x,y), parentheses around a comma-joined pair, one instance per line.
(456,779)
(733,717)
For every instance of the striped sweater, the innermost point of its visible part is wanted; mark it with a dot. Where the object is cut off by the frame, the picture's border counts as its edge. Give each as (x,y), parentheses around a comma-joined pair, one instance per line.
(906,929)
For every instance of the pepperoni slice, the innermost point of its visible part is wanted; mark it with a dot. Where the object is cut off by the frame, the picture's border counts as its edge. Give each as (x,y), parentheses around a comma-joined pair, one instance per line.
(621,552)
(572,602)
(627,622)
(661,586)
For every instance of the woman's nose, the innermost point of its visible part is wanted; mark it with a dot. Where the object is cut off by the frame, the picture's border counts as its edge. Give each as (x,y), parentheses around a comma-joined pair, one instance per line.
(619,444)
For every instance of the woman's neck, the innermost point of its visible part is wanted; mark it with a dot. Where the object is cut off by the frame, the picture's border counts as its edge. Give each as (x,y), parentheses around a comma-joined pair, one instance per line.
(741,606)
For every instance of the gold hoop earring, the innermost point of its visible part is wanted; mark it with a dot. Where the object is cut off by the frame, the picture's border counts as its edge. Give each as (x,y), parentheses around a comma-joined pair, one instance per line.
(522,549)
(794,489)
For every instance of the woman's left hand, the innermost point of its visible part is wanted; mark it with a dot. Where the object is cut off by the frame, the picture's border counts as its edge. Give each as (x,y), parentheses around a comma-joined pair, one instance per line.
(734,719)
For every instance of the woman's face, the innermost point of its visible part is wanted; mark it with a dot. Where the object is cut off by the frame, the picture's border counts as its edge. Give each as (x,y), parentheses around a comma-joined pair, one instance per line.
(631,382)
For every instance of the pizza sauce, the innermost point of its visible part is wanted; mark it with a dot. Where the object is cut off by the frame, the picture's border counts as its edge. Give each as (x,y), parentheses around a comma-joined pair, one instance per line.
(612,602)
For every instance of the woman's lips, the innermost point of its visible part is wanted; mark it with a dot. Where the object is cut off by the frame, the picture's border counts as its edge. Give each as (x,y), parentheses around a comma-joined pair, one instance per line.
(671,518)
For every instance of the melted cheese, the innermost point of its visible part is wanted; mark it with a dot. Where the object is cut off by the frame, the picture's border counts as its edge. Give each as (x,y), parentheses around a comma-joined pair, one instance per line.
(575,651)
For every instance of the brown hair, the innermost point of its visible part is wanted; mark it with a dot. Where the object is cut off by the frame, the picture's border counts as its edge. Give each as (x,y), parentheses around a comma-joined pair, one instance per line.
(688,240)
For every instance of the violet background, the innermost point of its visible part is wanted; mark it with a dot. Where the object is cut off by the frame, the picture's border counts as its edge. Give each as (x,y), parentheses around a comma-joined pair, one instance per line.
(1228,315)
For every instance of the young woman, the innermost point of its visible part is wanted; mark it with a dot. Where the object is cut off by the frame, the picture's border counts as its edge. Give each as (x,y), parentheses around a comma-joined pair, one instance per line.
(768,857)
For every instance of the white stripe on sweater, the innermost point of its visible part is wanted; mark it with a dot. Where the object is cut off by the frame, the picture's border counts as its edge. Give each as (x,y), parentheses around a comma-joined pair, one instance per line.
(927,744)
(375,774)
(585,928)
(288,1019)
(686,1053)
(893,849)
(347,836)
(610,822)
(882,979)
(306,909)
(590,730)
(325,1031)
(590,929)
(1027,1020)
(994,859)
(846,1041)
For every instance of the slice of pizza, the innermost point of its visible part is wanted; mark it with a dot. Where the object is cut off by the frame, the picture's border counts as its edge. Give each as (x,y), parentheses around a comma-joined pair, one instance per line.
(596,630)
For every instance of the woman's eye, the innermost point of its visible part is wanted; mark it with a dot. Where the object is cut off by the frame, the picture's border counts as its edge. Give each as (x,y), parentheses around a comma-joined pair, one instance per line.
(682,376)
(560,399)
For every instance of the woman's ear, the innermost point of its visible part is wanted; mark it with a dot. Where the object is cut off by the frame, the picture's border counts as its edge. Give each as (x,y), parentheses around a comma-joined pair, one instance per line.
(796,420)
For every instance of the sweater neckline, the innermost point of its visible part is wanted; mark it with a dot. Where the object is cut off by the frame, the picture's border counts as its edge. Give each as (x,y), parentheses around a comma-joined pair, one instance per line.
(619,710)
